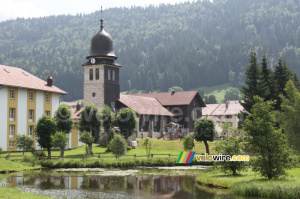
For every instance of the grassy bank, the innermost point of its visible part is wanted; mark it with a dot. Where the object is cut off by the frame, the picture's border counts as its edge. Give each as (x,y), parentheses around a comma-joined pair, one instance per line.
(11,166)
(251,184)
(17,194)
(159,146)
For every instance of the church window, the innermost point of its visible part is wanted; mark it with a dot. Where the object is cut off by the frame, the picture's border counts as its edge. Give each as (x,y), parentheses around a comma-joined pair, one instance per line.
(97,73)
(109,74)
(113,75)
(91,74)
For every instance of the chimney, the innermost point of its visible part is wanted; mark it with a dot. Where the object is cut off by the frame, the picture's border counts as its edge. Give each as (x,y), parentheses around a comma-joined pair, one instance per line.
(78,107)
(49,81)
(227,104)
(173,92)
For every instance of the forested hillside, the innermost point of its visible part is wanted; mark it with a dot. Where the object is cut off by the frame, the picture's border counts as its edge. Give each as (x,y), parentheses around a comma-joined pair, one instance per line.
(187,45)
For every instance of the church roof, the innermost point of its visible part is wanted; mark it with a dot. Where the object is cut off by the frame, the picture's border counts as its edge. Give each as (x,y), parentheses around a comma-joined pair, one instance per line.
(174,98)
(17,77)
(144,105)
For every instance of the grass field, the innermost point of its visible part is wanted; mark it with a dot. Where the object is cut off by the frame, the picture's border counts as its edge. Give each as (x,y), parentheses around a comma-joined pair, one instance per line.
(11,193)
(159,146)
(8,166)
(252,184)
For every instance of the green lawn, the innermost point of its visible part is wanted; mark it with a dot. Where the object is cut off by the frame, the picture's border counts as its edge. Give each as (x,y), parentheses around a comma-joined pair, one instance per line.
(17,194)
(249,183)
(8,165)
(159,146)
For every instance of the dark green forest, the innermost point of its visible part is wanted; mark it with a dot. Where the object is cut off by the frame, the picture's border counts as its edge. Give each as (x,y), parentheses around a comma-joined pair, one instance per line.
(188,45)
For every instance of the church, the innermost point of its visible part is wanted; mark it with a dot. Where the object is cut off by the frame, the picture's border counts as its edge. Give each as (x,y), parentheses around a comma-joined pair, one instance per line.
(154,110)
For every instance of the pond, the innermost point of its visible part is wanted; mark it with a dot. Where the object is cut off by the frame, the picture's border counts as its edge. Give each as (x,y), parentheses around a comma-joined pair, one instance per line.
(113,184)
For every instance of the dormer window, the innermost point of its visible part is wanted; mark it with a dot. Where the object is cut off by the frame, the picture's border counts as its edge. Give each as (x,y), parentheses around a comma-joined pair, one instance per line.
(91,74)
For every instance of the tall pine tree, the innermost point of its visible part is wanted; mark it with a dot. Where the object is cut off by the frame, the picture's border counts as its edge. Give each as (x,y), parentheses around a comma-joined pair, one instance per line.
(252,83)
(268,83)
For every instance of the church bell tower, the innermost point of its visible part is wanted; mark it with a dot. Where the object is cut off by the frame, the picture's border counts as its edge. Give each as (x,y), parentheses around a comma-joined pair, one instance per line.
(101,72)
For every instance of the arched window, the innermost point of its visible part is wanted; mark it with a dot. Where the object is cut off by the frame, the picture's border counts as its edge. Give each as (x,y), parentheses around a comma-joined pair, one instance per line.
(91,74)
(97,73)
(113,75)
(109,74)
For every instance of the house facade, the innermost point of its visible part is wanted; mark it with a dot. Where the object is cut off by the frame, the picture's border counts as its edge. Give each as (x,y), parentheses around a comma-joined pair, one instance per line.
(24,98)
(225,112)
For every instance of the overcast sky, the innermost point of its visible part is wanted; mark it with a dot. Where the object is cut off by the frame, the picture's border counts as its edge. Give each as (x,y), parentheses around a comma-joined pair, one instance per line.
(11,9)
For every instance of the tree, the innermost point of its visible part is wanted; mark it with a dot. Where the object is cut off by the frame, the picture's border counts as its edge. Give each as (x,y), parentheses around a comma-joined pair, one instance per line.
(88,139)
(46,126)
(225,126)
(60,139)
(63,117)
(127,121)
(210,99)
(231,93)
(108,119)
(290,116)
(267,140)
(232,146)
(90,120)
(252,83)
(204,131)
(24,143)
(148,145)
(176,89)
(118,145)
(188,143)
(268,82)
(282,75)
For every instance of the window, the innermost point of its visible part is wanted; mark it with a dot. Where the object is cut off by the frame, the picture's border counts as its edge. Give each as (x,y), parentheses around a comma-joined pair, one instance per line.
(47,113)
(97,73)
(30,96)
(12,94)
(195,115)
(11,131)
(47,98)
(12,114)
(109,74)
(30,131)
(113,75)
(11,144)
(91,74)
(31,115)
(228,116)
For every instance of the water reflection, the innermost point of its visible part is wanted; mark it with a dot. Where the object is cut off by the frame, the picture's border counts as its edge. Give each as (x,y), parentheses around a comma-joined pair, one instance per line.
(70,185)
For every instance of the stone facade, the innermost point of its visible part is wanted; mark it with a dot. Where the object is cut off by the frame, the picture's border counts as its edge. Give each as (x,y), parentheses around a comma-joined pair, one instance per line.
(94,89)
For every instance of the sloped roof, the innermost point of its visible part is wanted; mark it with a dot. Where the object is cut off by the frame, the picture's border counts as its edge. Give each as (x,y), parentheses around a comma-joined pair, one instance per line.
(76,114)
(17,77)
(232,108)
(174,98)
(144,105)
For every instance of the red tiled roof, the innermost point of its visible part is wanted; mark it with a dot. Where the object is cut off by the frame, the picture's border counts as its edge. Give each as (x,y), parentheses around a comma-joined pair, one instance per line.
(173,99)
(233,108)
(144,105)
(17,77)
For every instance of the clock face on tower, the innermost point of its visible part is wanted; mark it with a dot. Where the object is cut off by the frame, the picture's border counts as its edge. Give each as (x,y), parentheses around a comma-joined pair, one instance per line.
(93,60)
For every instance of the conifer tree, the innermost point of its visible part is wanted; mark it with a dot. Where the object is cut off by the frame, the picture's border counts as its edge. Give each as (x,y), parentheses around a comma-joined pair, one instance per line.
(268,83)
(253,85)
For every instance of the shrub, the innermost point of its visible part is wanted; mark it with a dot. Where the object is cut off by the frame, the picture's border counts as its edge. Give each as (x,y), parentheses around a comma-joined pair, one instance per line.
(39,154)
(1,151)
(24,143)
(30,159)
(148,144)
(188,143)
(87,138)
(118,145)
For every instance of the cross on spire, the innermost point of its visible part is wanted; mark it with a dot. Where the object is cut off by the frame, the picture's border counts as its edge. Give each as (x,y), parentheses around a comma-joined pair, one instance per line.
(101,20)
